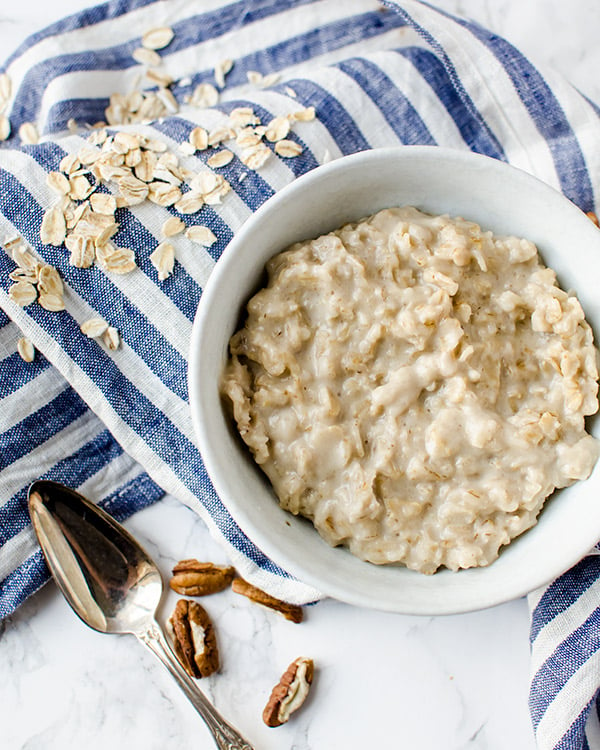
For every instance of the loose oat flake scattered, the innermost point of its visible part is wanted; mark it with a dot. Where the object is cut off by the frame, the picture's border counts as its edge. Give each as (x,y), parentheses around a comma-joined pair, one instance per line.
(277,129)
(49,281)
(54,229)
(58,182)
(220,134)
(146,56)
(4,127)
(221,71)
(304,115)
(21,256)
(164,194)
(288,149)
(23,293)
(263,82)
(104,204)
(136,168)
(26,349)
(81,187)
(111,338)
(51,302)
(69,164)
(220,159)
(198,138)
(120,260)
(94,327)
(256,156)
(190,203)
(172,227)
(163,259)
(28,134)
(205,95)
(240,117)
(201,235)
(82,249)
(158,38)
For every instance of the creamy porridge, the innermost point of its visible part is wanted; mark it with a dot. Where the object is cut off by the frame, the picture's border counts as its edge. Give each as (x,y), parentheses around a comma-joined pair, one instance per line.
(415,386)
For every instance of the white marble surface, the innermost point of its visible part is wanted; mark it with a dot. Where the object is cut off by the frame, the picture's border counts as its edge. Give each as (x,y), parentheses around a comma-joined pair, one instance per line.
(382,680)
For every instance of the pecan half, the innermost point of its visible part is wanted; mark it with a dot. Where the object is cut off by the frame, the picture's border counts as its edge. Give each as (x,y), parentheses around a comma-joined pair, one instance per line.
(194,639)
(290,692)
(194,578)
(291,612)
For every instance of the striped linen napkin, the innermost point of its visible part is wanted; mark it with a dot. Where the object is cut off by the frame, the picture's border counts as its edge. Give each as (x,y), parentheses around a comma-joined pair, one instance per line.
(115,421)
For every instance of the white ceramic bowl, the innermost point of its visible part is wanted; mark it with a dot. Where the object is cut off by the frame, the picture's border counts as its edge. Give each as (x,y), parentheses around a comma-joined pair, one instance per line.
(500,198)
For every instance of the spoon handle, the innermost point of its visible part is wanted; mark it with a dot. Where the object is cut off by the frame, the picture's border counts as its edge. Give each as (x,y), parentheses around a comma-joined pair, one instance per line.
(226,737)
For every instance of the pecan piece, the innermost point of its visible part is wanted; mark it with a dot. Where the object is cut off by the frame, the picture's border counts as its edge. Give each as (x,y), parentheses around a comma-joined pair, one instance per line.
(290,692)
(194,639)
(291,612)
(194,578)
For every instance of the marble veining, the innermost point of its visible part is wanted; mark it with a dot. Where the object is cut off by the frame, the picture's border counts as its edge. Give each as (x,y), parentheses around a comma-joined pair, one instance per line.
(382,680)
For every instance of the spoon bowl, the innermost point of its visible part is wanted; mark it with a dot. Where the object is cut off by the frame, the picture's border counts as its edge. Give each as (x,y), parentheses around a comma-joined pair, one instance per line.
(111,583)
(105,575)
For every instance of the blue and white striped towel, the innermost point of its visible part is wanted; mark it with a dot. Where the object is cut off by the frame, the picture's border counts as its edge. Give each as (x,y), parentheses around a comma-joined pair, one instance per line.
(117,422)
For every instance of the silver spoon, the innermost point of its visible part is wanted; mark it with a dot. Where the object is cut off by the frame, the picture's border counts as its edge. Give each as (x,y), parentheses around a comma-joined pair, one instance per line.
(111,583)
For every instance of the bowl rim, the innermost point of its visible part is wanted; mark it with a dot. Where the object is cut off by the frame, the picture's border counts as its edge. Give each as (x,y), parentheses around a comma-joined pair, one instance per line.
(528,582)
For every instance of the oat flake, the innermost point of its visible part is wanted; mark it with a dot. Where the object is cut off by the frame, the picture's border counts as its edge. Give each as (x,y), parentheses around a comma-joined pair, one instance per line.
(94,327)
(221,71)
(220,159)
(246,138)
(51,302)
(26,349)
(4,127)
(205,95)
(241,117)
(28,134)
(104,204)
(255,157)
(304,115)
(254,77)
(82,249)
(144,171)
(80,187)
(189,203)
(198,138)
(69,163)
(22,257)
(172,227)
(120,261)
(158,38)
(201,235)
(111,338)
(163,259)
(277,129)
(164,194)
(49,281)
(58,182)
(88,154)
(146,56)
(54,227)
(220,134)
(288,149)
(133,191)
(22,293)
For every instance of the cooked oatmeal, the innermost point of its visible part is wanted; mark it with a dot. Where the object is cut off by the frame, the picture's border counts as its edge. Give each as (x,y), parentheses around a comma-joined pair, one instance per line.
(415,386)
